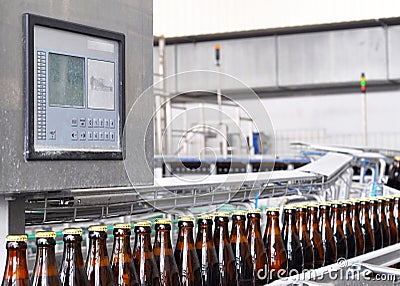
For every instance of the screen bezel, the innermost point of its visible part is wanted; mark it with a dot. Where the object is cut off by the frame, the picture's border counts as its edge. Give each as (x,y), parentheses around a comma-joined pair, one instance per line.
(30,21)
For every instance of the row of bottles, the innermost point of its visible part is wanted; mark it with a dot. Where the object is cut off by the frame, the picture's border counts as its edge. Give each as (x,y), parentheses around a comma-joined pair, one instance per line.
(311,236)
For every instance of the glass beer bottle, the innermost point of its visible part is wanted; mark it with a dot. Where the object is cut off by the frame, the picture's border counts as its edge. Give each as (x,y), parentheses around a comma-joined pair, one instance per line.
(45,271)
(315,236)
(226,259)
(327,238)
(390,219)
(291,241)
(98,268)
(368,234)
(274,246)
(396,212)
(206,251)
(185,253)
(256,245)
(355,223)
(373,208)
(72,270)
(164,254)
(122,260)
(348,230)
(143,257)
(381,209)
(16,271)
(337,230)
(301,225)
(241,250)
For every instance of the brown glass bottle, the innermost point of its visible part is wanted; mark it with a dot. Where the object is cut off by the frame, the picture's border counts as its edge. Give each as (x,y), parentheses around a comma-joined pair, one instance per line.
(256,245)
(396,212)
(373,208)
(274,246)
(164,254)
(206,251)
(337,230)
(327,238)
(72,270)
(291,241)
(390,219)
(143,257)
(348,230)
(122,260)
(381,209)
(16,271)
(301,226)
(241,250)
(45,271)
(315,236)
(365,223)
(226,259)
(185,253)
(98,268)
(394,174)
(355,223)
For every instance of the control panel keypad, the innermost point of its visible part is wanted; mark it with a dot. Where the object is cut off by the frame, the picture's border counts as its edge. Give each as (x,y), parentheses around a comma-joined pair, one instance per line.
(41,96)
(92,129)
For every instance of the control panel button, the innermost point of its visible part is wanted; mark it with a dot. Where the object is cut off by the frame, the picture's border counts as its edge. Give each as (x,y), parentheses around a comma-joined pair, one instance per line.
(95,136)
(101,122)
(82,122)
(95,122)
(90,135)
(74,122)
(52,135)
(74,135)
(82,135)
(106,136)
(112,136)
(90,122)
(101,136)
(112,123)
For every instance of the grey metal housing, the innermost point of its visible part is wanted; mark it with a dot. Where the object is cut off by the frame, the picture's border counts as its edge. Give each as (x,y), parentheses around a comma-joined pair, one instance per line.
(132,18)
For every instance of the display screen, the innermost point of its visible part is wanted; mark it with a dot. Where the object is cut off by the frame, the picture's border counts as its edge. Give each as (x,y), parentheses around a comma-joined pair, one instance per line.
(101,75)
(66,80)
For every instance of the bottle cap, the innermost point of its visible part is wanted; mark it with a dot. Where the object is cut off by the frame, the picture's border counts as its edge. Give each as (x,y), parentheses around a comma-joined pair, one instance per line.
(186,218)
(45,234)
(221,214)
(98,228)
(122,226)
(254,211)
(163,221)
(239,212)
(273,209)
(313,205)
(289,208)
(73,230)
(205,216)
(143,223)
(397,158)
(17,237)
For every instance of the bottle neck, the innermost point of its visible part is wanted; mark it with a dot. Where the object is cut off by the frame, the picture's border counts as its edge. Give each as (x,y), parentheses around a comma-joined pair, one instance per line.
(45,264)
(273,225)
(364,213)
(73,251)
(98,255)
(16,266)
(122,246)
(143,242)
(301,221)
(238,227)
(204,232)
(289,223)
(254,226)
(313,219)
(163,238)
(337,216)
(186,234)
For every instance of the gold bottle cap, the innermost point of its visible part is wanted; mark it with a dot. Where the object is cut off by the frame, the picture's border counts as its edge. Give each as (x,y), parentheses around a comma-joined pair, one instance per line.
(163,221)
(98,228)
(273,209)
(314,205)
(293,207)
(221,214)
(254,211)
(45,234)
(239,212)
(122,225)
(73,230)
(397,158)
(17,237)
(205,216)
(186,218)
(143,223)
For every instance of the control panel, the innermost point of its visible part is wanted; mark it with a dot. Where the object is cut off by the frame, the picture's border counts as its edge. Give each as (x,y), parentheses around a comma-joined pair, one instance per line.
(75,84)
